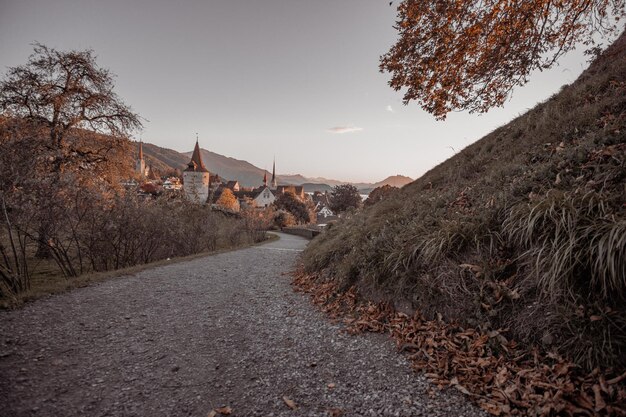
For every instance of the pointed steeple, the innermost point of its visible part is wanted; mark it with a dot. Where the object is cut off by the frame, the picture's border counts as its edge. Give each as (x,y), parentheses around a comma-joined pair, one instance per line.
(274,182)
(196,163)
(140,164)
(265,178)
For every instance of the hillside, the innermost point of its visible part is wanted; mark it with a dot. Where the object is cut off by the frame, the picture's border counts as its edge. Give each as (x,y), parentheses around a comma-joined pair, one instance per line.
(162,159)
(247,174)
(524,230)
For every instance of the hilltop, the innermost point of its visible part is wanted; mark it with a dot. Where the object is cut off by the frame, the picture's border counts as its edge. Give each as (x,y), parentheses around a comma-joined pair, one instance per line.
(523,231)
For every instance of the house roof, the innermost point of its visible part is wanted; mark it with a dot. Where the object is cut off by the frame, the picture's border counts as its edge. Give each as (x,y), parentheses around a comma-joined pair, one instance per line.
(252,194)
(196,163)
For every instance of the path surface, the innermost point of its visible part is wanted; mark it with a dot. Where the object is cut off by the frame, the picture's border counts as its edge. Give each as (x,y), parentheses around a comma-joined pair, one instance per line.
(182,339)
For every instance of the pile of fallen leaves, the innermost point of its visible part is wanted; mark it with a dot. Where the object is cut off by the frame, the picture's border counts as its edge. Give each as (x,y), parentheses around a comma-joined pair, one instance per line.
(495,372)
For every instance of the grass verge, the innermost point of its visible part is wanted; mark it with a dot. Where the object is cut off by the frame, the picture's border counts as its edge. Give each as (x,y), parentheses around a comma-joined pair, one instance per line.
(50,281)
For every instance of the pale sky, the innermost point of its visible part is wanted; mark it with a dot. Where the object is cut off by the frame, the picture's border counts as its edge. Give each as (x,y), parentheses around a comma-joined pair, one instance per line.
(297,79)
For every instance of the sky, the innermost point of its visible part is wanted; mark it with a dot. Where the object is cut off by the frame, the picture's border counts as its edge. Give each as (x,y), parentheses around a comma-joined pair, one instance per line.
(297,80)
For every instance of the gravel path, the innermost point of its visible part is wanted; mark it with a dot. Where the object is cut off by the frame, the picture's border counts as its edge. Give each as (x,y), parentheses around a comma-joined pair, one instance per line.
(182,339)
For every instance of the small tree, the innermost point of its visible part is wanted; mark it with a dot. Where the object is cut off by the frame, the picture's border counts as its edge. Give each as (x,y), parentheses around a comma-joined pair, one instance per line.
(470,54)
(227,200)
(292,204)
(343,197)
(283,218)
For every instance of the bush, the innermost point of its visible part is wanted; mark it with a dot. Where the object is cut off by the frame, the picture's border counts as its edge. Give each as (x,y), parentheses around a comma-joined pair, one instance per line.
(297,208)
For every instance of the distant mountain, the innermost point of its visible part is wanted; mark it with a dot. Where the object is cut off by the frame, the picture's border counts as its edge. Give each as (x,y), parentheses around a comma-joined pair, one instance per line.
(310,187)
(395,181)
(248,175)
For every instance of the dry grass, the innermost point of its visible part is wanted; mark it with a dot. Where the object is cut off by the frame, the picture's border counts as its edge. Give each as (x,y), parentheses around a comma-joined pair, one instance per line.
(524,229)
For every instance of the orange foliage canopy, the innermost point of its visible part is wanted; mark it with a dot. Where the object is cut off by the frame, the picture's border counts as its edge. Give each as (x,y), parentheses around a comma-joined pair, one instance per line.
(470,54)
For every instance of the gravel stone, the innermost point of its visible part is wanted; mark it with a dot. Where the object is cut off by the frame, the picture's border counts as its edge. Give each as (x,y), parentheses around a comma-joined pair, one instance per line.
(183,339)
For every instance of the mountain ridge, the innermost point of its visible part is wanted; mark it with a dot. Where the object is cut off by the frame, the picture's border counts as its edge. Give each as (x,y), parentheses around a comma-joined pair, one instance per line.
(165,159)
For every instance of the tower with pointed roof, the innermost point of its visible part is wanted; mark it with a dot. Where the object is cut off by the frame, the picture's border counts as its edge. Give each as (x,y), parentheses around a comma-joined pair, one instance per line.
(274,182)
(140,165)
(196,178)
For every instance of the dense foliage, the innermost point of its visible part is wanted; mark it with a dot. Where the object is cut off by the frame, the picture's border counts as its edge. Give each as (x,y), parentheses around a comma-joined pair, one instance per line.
(227,200)
(301,211)
(470,54)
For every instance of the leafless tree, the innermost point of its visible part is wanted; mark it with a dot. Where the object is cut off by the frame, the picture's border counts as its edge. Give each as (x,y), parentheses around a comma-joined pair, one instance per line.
(64,98)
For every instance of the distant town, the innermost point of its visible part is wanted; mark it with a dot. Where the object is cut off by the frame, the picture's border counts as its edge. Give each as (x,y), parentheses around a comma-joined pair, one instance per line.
(198,184)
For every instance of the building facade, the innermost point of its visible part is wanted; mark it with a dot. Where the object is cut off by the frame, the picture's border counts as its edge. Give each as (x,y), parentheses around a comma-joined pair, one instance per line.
(196,178)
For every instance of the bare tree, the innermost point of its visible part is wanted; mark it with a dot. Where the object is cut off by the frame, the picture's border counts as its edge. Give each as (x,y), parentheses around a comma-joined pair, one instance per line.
(66,97)
(66,90)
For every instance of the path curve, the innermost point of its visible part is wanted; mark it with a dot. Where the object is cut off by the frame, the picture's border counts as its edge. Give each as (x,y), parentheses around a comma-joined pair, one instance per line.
(182,339)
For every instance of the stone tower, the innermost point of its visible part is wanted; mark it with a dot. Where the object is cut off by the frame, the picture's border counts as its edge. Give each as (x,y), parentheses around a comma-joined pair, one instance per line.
(196,178)
(140,166)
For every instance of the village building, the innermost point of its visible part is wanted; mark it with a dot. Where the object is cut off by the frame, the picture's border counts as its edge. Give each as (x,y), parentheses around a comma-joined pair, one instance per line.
(196,178)
(215,181)
(172,183)
(264,197)
(260,197)
(233,186)
(324,212)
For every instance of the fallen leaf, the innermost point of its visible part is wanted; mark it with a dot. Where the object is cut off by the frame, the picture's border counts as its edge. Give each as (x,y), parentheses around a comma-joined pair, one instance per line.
(491,408)
(212,413)
(335,412)
(616,379)
(600,404)
(290,403)
(224,410)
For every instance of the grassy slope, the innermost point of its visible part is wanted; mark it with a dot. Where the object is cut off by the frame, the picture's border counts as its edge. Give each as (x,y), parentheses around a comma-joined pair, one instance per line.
(525,229)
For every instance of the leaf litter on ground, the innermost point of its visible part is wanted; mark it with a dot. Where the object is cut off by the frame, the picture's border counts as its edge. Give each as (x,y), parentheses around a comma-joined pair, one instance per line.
(496,373)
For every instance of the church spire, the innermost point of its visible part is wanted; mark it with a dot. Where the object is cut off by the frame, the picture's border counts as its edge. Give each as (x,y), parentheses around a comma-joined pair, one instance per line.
(196,163)
(140,164)
(274,182)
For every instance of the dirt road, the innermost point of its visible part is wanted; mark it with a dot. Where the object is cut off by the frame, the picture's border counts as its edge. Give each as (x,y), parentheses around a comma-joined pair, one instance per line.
(182,339)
